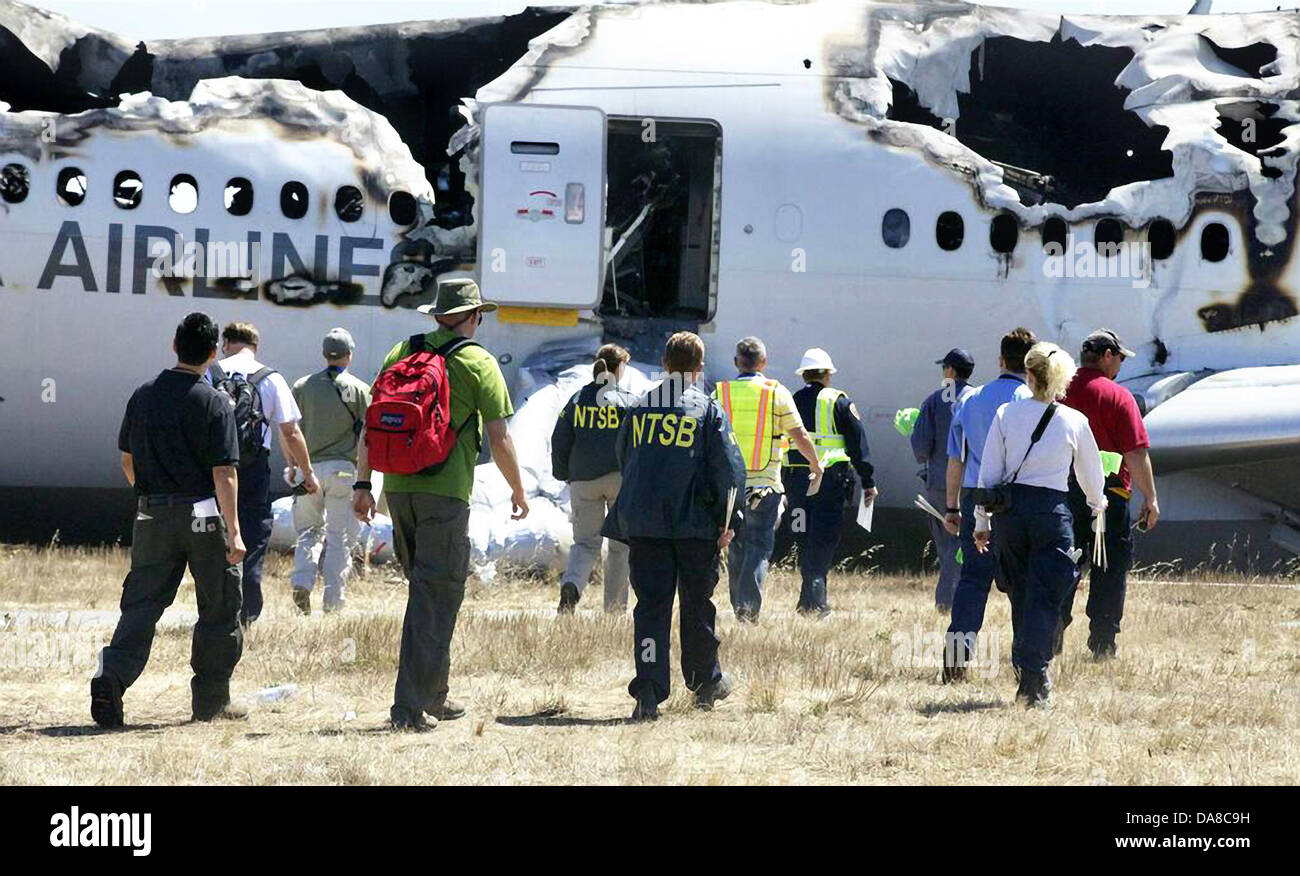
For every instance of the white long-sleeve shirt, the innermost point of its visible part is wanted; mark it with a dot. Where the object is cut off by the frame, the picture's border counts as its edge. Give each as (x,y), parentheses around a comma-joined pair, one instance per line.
(1066,442)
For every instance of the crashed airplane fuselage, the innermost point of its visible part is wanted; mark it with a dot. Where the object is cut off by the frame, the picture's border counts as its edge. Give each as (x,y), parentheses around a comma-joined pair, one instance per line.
(882,180)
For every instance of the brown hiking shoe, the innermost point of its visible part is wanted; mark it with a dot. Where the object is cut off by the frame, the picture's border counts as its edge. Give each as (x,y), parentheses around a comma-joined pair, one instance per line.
(302,599)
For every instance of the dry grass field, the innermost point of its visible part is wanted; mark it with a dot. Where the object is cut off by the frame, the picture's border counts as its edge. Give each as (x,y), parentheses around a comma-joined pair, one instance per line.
(1206,690)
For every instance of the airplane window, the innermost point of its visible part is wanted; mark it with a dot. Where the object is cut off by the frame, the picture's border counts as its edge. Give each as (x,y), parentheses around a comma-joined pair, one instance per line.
(1214,242)
(349,203)
(896,228)
(1161,237)
(293,199)
(71,186)
(239,197)
(1055,235)
(950,230)
(1004,232)
(128,190)
(15,182)
(1107,237)
(184,197)
(401,208)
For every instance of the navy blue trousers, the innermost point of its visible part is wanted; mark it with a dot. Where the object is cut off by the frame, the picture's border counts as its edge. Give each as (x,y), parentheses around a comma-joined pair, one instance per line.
(255,528)
(977,573)
(1033,542)
(816,522)
(660,568)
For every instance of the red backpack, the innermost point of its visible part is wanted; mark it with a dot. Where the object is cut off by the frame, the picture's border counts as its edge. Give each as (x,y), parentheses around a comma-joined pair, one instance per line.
(408,423)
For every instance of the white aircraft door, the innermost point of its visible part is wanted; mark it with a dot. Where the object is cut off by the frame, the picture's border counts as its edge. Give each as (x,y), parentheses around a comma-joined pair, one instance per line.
(542,205)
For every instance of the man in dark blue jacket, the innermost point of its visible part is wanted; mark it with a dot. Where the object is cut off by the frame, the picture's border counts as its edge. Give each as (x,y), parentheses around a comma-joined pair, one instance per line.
(930,446)
(682,471)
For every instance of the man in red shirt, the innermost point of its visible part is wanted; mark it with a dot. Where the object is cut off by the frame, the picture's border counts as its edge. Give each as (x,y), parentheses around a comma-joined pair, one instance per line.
(1117,425)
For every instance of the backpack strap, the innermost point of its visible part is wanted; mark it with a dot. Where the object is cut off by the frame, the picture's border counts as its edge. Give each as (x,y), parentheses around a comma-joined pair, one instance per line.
(260,374)
(338,391)
(455,344)
(446,351)
(1033,439)
(419,343)
(215,374)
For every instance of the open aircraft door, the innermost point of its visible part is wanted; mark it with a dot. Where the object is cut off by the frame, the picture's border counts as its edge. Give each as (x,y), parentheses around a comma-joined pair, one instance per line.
(542,205)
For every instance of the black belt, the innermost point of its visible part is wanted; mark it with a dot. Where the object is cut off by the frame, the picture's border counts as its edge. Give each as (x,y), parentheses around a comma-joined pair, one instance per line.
(165,499)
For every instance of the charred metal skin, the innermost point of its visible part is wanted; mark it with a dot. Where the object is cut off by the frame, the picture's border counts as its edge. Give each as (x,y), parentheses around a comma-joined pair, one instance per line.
(1264,300)
(970,77)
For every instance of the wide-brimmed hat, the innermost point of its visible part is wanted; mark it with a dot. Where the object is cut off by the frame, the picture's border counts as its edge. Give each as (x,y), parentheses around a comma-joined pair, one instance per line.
(816,359)
(457,296)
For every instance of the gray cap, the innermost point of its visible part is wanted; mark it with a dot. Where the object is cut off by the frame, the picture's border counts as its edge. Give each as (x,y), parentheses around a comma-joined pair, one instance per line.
(337,344)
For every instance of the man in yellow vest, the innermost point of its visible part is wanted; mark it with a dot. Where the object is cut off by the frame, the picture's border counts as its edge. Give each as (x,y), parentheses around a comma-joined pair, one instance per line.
(841,444)
(762,414)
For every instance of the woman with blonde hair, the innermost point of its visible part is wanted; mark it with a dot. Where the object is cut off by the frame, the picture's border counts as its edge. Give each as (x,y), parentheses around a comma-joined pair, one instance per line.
(1024,479)
(582,453)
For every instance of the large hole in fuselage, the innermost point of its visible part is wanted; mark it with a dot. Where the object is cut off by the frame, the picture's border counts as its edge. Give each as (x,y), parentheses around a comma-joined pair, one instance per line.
(1052,109)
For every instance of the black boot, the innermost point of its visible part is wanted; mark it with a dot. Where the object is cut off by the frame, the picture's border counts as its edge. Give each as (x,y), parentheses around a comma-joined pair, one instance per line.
(710,694)
(106,701)
(569,597)
(1102,648)
(1035,690)
(647,708)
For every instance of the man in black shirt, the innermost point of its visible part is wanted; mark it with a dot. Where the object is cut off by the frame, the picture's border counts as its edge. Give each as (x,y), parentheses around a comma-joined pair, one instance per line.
(179,451)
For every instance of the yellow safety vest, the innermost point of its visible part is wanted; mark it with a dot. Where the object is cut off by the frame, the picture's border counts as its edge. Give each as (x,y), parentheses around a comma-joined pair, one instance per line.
(826,439)
(749,407)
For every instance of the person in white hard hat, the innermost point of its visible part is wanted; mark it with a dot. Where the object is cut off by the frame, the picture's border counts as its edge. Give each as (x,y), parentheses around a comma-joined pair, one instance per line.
(832,421)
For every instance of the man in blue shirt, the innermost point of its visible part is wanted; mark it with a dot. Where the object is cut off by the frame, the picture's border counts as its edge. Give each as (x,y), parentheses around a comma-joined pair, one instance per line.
(970,427)
(930,447)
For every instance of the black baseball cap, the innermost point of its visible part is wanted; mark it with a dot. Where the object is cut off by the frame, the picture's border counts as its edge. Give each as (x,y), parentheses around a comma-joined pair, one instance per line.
(1104,339)
(957,358)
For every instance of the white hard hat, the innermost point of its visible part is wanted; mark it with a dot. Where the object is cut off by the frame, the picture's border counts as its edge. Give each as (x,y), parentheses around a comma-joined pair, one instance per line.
(816,359)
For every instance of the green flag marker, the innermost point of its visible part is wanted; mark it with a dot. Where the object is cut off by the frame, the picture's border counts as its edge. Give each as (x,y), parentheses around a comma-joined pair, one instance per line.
(905,421)
(1110,462)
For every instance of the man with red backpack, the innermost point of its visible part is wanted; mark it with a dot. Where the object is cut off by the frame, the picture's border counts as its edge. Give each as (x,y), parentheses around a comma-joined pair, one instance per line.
(434,397)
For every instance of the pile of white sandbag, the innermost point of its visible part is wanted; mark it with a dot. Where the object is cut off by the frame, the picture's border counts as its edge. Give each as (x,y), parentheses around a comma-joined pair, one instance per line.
(547,380)
(376,537)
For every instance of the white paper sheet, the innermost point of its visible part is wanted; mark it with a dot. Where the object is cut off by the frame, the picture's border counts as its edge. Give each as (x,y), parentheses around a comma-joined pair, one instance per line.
(206,508)
(865,514)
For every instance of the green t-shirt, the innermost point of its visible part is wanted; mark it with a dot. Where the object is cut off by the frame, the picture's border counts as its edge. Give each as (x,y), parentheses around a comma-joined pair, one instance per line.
(330,407)
(476,385)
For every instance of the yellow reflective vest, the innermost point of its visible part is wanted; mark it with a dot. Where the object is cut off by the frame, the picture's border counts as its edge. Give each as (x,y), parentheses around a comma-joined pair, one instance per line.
(749,406)
(826,439)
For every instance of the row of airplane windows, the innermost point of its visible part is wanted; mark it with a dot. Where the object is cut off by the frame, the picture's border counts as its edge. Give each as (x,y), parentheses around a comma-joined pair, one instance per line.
(349,206)
(1004,233)
(183,194)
